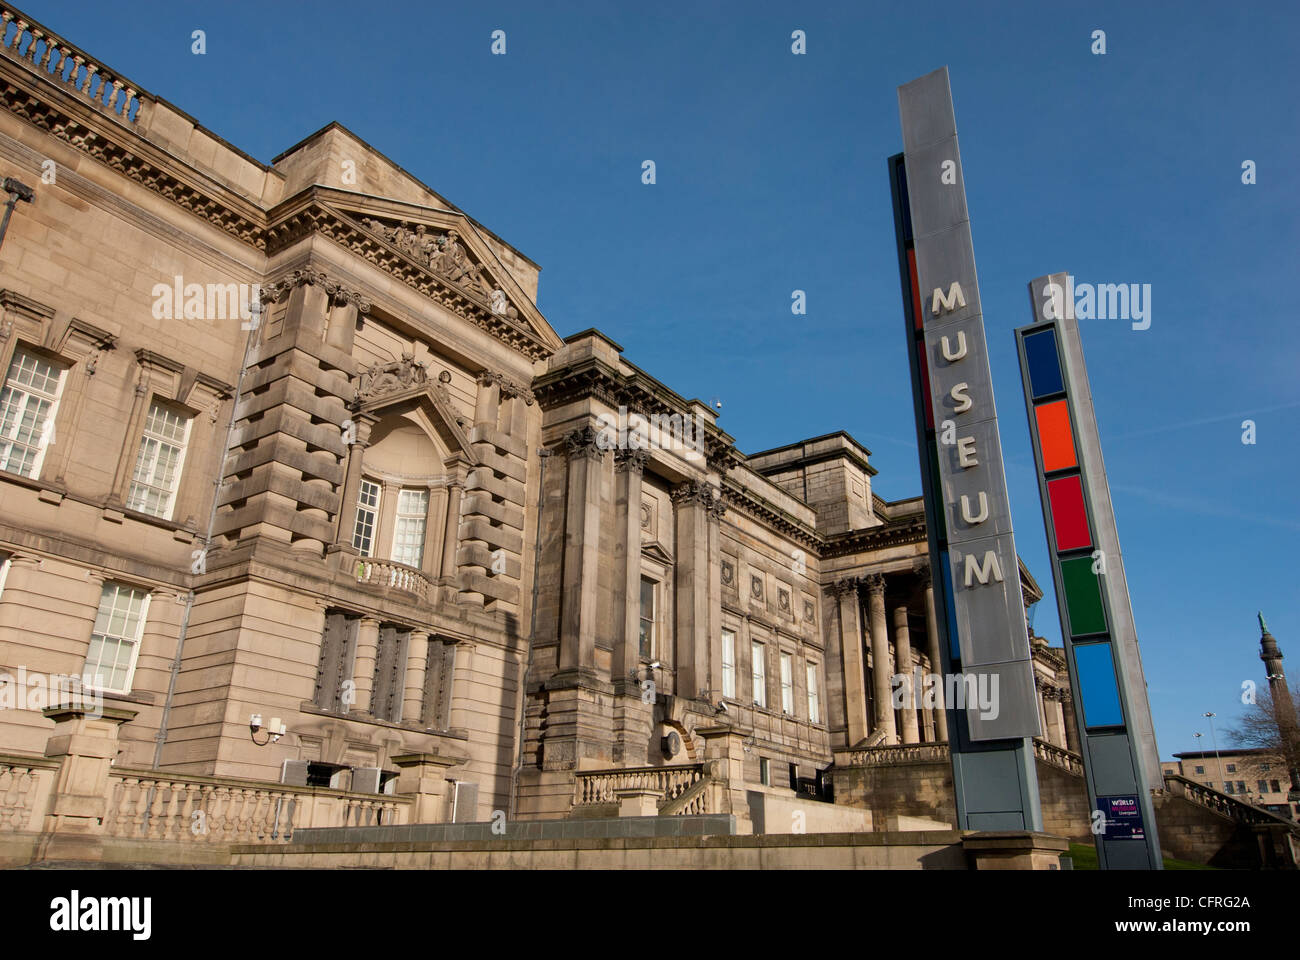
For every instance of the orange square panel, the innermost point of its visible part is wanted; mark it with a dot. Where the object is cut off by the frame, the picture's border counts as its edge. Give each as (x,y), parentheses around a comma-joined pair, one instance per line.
(1054,435)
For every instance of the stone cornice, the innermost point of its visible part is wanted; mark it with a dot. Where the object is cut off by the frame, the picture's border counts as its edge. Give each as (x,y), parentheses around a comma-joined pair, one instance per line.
(891,533)
(593,378)
(106,137)
(737,497)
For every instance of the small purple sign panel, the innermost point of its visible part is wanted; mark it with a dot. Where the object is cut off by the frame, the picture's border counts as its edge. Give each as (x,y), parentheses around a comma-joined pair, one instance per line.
(1123,817)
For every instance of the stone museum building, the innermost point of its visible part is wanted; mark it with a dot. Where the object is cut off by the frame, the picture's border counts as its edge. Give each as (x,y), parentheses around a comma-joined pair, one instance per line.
(293,468)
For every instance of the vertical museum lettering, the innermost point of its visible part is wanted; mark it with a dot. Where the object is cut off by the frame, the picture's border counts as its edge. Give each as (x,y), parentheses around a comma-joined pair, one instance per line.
(954,351)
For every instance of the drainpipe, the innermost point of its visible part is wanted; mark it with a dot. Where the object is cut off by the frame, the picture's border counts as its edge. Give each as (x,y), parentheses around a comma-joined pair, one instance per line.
(543,454)
(161,739)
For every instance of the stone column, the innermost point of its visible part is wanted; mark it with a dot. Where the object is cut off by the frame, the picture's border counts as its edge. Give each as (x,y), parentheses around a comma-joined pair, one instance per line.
(362,423)
(363,670)
(713,633)
(432,514)
(903,644)
(691,503)
(628,465)
(581,552)
(1058,721)
(884,718)
(1071,727)
(451,533)
(417,661)
(936,661)
(855,690)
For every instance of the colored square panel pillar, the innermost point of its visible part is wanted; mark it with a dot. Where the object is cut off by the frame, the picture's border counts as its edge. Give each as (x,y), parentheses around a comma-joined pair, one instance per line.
(1069,515)
(1082,597)
(1098,686)
(1043,364)
(1054,436)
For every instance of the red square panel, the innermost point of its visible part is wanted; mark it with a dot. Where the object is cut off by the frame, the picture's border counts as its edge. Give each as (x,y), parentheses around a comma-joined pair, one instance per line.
(1069,516)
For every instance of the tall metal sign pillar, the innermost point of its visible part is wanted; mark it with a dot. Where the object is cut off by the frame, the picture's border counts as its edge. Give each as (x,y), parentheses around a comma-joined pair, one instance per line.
(984,638)
(1112,712)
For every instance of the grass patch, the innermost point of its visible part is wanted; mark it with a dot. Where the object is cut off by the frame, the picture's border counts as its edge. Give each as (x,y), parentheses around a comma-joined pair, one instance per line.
(1084,856)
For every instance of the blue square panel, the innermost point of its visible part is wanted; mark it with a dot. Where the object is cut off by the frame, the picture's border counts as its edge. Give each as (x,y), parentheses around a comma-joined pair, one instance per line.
(1043,364)
(1098,686)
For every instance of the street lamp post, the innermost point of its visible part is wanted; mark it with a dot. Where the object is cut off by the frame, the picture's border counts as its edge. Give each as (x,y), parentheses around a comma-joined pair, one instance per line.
(1215,739)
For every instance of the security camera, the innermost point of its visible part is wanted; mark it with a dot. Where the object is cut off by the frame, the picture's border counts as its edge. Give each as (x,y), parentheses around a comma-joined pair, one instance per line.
(19,189)
(255,722)
(720,708)
(655,664)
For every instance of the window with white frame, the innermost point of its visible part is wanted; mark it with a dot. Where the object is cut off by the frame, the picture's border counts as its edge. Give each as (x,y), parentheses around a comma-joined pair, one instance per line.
(115,639)
(814,701)
(758,672)
(408,532)
(27,409)
(159,462)
(647,638)
(363,532)
(728,663)
(787,684)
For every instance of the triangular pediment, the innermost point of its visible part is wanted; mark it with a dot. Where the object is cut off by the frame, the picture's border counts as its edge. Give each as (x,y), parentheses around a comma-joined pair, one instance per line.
(654,550)
(449,249)
(404,385)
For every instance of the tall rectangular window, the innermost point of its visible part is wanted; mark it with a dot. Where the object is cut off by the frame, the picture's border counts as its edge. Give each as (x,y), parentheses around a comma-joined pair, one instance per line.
(758,672)
(647,641)
(787,684)
(115,639)
(363,533)
(27,410)
(158,464)
(728,663)
(408,533)
(814,700)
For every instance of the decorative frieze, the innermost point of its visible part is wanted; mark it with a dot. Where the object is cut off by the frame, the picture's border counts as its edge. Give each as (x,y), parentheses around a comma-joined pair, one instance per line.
(445,256)
(338,294)
(509,388)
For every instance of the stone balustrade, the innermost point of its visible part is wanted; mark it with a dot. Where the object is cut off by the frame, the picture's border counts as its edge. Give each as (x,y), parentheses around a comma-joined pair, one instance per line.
(1058,756)
(601,786)
(386,573)
(27,41)
(25,786)
(145,805)
(1221,803)
(898,753)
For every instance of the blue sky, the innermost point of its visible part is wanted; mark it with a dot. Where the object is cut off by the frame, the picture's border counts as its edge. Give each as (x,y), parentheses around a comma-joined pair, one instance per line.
(771,177)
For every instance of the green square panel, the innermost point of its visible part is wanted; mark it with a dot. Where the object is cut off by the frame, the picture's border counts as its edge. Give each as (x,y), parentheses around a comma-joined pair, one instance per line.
(1082,597)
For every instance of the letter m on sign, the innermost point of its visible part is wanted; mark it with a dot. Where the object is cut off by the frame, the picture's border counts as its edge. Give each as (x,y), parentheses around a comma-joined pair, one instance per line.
(983,571)
(949,303)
